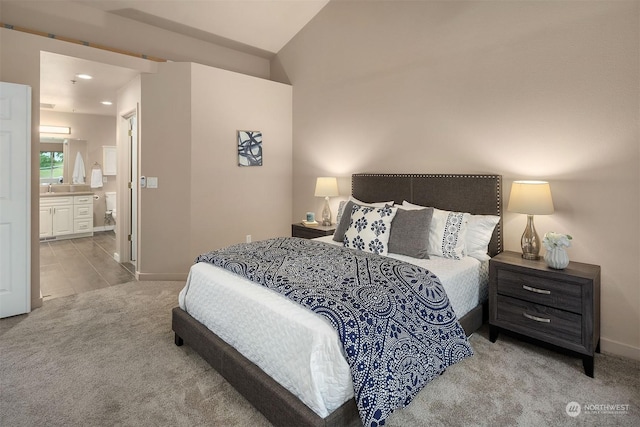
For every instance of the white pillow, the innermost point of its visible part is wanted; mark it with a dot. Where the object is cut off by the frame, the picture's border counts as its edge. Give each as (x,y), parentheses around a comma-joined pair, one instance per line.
(479,232)
(447,234)
(446,238)
(358,202)
(476,232)
(411,207)
(370,228)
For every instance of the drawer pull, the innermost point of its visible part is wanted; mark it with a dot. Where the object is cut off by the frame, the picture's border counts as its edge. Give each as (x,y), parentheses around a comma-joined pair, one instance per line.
(536,318)
(536,290)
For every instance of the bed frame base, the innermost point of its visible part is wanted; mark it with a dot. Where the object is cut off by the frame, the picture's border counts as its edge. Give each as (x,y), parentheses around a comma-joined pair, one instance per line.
(276,403)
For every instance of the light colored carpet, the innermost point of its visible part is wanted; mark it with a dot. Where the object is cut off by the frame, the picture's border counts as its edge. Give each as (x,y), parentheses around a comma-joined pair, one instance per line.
(107,357)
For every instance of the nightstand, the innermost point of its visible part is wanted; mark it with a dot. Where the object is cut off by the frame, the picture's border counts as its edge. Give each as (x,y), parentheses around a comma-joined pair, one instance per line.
(558,307)
(311,232)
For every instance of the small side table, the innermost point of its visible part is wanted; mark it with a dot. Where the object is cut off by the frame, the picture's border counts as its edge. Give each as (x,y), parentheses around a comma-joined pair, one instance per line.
(311,232)
(559,307)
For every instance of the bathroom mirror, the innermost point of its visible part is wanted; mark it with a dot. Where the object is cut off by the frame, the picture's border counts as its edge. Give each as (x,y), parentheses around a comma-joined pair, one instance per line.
(58,159)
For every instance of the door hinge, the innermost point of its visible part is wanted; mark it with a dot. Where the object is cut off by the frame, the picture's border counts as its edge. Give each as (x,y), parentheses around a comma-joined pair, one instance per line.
(128,185)
(129,132)
(129,237)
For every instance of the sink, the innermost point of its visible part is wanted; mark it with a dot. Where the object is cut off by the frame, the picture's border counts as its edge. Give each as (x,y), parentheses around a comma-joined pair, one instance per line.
(75,188)
(60,188)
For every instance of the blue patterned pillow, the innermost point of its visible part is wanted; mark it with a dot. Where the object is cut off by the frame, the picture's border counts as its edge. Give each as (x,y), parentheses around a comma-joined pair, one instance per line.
(370,228)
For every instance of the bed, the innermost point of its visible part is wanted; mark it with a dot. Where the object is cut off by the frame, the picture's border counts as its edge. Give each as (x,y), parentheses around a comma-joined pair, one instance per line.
(475,194)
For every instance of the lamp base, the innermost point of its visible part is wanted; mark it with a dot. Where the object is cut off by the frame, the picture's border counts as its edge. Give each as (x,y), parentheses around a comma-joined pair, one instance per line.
(530,242)
(326,213)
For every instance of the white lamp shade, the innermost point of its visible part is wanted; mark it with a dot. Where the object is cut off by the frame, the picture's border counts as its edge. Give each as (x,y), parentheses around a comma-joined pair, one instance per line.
(531,198)
(326,186)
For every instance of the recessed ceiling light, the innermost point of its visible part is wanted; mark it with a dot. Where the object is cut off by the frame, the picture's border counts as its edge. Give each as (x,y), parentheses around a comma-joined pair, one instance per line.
(84,76)
(106,103)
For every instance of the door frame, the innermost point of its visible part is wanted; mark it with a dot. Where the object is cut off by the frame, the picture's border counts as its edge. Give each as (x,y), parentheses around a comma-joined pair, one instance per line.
(132,173)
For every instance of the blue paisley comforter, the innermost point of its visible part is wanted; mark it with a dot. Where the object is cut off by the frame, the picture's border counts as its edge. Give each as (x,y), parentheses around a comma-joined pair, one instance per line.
(394,319)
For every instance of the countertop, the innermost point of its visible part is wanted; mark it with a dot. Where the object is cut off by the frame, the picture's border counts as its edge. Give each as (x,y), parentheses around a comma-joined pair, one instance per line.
(67,193)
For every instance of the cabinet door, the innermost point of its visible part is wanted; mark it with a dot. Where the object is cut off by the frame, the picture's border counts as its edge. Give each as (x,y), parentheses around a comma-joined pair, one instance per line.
(109,160)
(46,225)
(62,220)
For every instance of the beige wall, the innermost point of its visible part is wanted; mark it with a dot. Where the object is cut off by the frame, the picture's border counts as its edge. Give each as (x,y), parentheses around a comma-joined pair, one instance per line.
(165,146)
(230,202)
(545,90)
(204,201)
(97,131)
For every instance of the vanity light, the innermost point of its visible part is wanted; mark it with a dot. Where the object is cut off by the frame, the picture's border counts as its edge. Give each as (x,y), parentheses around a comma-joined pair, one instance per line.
(55,129)
(84,76)
(106,103)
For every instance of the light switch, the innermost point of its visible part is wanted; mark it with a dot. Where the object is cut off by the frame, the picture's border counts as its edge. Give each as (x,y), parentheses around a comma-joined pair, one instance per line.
(152,182)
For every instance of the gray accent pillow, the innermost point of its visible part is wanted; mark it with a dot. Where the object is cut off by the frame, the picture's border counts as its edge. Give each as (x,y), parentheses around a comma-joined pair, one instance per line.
(344,222)
(410,233)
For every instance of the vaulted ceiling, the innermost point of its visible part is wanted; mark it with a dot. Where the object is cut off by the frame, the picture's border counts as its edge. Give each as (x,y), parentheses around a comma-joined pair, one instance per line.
(258,27)
(266,25)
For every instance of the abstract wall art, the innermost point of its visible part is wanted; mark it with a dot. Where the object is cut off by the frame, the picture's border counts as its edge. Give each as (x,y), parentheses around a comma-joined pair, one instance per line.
(249,148)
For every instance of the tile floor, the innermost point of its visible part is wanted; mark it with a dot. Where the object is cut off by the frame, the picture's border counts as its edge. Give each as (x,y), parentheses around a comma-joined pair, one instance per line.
(73,266)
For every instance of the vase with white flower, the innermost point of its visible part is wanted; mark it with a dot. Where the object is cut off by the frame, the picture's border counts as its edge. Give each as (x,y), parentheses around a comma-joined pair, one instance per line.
(556,244)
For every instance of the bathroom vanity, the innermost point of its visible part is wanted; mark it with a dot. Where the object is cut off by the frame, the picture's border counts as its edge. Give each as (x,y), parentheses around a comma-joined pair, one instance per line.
(66,211)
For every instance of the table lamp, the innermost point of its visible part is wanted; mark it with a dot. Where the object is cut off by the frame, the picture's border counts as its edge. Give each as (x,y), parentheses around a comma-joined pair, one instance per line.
(326,187)
(530,198)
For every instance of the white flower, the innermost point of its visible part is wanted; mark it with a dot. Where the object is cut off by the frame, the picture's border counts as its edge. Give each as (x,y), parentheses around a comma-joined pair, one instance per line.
(556,240)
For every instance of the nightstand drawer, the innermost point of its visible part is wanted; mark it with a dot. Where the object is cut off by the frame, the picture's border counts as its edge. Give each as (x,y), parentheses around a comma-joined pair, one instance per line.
(540,290)
(299,230)
(539,321)
(307,233)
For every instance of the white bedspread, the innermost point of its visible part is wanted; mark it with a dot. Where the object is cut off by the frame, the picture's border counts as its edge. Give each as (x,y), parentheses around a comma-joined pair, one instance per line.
(293,345)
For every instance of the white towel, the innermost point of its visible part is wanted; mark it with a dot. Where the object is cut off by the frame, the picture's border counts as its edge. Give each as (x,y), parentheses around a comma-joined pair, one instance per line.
(96,178)
(78,170)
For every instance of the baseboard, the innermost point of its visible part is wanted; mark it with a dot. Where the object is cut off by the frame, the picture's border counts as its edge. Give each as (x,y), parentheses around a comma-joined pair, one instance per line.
(161,277)
(116,256)
(619,349)
(104,228)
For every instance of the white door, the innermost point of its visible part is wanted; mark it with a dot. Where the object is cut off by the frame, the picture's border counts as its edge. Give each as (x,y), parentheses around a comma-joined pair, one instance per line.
(15,199)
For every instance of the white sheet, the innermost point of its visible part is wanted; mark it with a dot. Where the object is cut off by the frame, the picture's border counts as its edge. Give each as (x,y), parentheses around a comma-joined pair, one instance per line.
(296,347)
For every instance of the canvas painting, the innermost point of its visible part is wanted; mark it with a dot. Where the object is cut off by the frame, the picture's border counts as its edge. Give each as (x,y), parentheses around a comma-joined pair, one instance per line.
(249,148)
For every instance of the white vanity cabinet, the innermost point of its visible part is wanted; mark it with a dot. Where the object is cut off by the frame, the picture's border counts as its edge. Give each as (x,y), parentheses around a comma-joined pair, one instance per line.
(56,216)
(83,214)
(66,216)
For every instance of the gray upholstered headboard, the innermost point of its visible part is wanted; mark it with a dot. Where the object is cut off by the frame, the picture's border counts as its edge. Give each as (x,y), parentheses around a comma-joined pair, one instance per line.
(476,194)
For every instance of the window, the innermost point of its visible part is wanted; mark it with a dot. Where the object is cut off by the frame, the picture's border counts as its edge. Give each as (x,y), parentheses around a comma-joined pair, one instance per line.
(51,166)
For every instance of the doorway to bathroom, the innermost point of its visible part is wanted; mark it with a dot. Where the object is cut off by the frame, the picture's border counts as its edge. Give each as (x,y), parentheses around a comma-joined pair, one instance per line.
(77,265)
